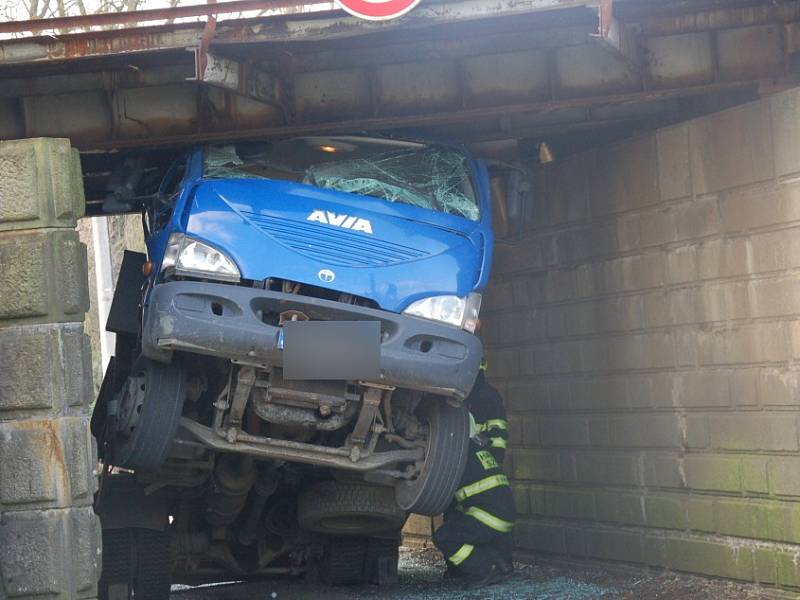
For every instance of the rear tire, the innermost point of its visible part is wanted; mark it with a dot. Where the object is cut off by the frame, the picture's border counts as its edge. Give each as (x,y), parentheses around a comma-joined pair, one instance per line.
(343,561)
(380,565)
(118,562)
(151,403)
(348,509)
(153,565)
(136,563)
(445,458)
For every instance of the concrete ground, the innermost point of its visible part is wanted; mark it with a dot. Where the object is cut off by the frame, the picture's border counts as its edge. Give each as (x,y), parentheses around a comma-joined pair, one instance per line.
(421,579)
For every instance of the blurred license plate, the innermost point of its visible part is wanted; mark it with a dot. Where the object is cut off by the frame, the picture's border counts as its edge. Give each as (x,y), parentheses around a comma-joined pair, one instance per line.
(331,350)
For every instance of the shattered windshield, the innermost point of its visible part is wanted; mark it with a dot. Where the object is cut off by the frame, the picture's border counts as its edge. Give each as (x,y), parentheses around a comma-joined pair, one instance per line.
(431,177)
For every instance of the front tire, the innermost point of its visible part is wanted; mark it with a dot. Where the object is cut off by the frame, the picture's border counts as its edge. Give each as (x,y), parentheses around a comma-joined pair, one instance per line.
(150,406)
(431,492)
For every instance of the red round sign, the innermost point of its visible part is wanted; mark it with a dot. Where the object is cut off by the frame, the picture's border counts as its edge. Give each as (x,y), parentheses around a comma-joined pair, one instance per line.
(377,10)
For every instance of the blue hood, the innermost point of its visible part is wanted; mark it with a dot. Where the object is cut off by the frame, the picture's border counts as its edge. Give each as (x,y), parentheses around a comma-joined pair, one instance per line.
(390,253)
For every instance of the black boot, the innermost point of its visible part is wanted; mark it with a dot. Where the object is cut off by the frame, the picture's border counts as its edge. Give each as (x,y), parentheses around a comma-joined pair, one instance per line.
(506,567)
(490,576)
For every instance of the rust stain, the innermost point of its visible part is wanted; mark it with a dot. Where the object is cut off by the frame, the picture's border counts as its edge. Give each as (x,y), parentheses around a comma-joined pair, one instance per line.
(51,449)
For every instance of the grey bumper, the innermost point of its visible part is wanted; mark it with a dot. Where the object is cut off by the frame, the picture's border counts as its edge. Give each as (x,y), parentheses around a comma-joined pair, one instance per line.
(226,321)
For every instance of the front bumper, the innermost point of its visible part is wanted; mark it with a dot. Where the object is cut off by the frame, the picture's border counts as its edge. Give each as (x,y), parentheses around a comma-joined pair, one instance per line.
(223,320)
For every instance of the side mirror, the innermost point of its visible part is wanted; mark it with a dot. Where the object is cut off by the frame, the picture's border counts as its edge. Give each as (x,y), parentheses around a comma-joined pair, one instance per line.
(511,191)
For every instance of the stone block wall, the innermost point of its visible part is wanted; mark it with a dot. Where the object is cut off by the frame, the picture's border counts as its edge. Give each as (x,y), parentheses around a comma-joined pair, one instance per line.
(645,332)
(49,534)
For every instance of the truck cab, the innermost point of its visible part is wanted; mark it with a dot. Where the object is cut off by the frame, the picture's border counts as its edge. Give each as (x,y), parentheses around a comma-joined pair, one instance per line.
(304,337)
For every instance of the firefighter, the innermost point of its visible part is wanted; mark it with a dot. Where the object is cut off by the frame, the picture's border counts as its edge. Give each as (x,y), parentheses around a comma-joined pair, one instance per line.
(475,538)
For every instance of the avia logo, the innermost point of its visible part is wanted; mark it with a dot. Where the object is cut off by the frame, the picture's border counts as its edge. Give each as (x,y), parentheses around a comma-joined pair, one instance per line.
(343,221)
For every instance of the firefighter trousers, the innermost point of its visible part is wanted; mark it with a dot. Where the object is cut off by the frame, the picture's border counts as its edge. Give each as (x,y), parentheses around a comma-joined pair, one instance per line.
(471,545)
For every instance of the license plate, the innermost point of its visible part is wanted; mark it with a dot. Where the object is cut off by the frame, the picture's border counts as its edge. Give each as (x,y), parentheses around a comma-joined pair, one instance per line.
(331,350)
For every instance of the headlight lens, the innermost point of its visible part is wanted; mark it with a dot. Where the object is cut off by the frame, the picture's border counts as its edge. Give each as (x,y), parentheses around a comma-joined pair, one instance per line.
(453,310)
(191,257)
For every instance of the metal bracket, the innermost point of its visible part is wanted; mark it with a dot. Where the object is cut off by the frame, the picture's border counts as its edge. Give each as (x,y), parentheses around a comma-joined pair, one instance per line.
(369,408)
(241,77)
(245,381)
(614,37)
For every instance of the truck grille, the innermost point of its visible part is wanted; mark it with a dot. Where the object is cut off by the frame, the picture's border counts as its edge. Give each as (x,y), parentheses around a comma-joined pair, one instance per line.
(334,246)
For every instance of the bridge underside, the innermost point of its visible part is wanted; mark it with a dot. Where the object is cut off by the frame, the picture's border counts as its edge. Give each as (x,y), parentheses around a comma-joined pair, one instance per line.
(567,72)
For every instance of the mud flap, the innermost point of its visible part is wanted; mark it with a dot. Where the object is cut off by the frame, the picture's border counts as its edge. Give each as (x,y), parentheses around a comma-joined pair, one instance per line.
(123,316)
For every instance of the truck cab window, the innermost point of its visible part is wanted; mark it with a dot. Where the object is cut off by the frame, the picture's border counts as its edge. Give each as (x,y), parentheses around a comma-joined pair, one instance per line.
(160,210)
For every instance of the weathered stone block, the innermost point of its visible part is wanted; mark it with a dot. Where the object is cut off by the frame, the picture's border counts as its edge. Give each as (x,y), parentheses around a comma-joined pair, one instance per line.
(710,558)
(628,232)
(663,470)
(775,297)
(674,173)
(754,475)
(753,432)
(570,504)
(541,537)
(785,111)
(724,258)
(46,464)
(779,387)
(614,545)
(667,512)
(537,466)
(732,148)
(682,264)
(521,500)
(563,431)
(645,431)
(701,514)
(40,184)
(42,277)
(610,469)
(708,472)
(750,519)
(57,355)
(50,553)
(783,479)
(760,205)
(702,389)
(615,507)
(697,219)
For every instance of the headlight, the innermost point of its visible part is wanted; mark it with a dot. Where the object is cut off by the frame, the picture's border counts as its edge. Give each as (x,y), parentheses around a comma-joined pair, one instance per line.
(453,310)
(191,257)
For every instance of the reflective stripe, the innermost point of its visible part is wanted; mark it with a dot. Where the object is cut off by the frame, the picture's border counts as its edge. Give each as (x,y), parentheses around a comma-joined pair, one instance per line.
(480,486)
(474,428)
(496,424)
(489,519)
(461,554)
(497,442)
(490,424)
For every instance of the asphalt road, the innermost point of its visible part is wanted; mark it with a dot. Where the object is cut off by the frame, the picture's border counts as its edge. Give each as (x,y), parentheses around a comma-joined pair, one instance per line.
(421,579)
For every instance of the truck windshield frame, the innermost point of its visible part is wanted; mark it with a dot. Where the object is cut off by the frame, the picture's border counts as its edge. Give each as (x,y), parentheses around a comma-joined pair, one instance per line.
(431,177)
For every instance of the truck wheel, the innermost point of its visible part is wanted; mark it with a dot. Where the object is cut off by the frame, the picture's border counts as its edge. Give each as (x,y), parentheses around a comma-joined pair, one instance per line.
(341,508)
(136,563)
(431,492)
(116,574)
(153,565)
(380,566)
(343,561)
(150,405)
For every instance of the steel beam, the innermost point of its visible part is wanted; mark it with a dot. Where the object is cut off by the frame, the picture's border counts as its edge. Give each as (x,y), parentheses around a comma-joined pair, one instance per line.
(416,121)
(295,22)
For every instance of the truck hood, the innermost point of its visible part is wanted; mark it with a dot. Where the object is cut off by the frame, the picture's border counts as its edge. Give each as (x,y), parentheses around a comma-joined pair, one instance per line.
(392,254)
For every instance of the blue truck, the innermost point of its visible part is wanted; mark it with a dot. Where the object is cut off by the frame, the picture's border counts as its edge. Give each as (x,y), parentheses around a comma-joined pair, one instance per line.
(292,355)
